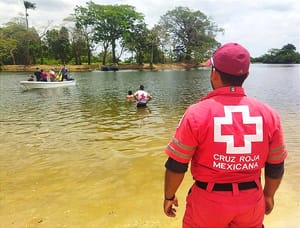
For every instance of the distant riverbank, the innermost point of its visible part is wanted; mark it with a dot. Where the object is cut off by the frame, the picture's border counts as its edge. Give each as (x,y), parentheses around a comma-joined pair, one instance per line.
(93,67)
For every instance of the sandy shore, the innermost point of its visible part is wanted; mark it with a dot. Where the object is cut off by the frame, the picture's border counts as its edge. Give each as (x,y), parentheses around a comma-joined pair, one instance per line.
(93,67)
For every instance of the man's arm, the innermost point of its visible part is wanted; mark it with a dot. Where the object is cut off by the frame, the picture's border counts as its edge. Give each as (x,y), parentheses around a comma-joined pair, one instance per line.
(135,95)
(273,177)
(172,182)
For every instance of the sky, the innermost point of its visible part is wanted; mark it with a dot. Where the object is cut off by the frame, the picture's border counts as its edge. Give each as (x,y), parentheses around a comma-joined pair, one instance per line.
(259,25)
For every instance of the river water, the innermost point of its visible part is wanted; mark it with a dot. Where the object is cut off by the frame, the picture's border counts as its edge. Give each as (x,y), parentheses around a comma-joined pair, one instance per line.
(84,156)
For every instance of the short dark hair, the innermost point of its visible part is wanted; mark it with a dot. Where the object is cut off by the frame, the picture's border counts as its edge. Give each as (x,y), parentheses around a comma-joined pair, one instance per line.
(233,80)
(141,87)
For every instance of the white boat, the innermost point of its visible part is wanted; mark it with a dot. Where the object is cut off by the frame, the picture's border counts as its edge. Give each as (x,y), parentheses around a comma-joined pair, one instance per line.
(46,85)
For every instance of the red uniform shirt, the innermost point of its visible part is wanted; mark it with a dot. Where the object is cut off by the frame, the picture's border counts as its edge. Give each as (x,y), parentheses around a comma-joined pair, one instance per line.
(228,137)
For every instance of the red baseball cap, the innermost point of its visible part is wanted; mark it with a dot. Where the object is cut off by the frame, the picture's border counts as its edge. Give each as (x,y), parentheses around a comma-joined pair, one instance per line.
(231,58)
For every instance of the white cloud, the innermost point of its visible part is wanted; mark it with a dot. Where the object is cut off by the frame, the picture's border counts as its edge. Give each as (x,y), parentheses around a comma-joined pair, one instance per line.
(257,24)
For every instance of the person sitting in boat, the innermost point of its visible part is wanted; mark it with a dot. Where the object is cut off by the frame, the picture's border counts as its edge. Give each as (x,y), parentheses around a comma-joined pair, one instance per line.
(52,75)
(142,97)
(44,75)
(31,78)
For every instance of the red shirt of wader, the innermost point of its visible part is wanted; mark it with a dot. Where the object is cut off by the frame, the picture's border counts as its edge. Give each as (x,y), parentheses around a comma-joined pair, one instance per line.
(228,137)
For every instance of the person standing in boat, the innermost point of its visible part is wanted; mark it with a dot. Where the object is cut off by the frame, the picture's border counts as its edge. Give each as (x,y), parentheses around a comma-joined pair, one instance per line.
(37,74)
(64,73)
(142,97)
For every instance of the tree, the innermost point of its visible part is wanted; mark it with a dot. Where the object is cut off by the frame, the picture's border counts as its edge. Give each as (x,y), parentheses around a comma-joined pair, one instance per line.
(138,41)
(28,5)
(115,23)
(58,44)
(51,43)
(163,42)
(25,42)
(78,45)
(33,42)
(7,47)
(84,19)
(286,55)
(289,47)
(41,47)
(64,45)
(191,33)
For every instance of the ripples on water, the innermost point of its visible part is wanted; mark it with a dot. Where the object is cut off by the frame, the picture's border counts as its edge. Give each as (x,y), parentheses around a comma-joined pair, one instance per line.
(85,156)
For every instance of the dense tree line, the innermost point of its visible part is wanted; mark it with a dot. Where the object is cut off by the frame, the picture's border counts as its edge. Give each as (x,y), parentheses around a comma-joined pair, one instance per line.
(287,54)
(107,33)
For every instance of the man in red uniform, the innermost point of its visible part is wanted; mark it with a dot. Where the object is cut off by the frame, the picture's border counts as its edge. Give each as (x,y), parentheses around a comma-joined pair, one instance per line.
(228,138)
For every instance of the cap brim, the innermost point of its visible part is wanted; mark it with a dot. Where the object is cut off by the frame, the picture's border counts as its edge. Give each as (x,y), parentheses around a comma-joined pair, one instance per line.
(208,63)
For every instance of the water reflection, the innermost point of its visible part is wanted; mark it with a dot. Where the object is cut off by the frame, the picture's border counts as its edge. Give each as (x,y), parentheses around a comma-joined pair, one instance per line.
(142,115)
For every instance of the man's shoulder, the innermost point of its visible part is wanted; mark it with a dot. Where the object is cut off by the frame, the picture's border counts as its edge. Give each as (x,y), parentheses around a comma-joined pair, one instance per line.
(200,108)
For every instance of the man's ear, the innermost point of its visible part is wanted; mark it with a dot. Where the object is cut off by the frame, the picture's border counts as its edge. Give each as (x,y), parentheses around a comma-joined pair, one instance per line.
(216,79)
(214,75)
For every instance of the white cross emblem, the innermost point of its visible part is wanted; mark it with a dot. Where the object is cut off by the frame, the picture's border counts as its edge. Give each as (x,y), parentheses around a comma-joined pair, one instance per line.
(229,139)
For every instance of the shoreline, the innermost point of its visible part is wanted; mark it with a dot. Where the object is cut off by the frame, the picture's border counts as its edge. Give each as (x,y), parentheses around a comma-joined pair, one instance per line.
(97,67)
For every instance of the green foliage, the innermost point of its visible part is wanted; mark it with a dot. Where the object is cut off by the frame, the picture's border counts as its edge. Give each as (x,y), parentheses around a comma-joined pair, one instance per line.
(84,22)
(108,25)
(139,41)
(19,42)
(115,23)
(191,33)
(286,55)
(58,45)
(78,46)
(29,5)
(7,46)
(51,61)
(110,30)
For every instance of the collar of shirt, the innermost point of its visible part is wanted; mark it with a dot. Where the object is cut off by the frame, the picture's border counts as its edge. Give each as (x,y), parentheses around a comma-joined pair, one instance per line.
(235,91)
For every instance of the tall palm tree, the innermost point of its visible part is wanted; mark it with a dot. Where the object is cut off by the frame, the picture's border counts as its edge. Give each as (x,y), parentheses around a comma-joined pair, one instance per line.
(28,5)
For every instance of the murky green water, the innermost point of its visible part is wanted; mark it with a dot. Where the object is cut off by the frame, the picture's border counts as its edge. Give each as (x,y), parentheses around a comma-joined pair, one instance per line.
(83,156)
